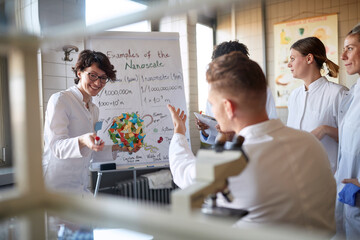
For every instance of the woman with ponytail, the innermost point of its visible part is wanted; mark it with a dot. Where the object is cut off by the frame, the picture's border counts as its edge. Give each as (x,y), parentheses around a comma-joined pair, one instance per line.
(313,107)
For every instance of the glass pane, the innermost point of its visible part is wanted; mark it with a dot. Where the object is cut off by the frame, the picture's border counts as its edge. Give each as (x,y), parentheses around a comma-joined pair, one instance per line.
(6,171)
(204,47)
(10,229)
(98,11)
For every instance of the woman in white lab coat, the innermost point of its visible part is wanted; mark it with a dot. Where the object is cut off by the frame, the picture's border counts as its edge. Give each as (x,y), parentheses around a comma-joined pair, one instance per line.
(313,107)
(69,132)
(348,173)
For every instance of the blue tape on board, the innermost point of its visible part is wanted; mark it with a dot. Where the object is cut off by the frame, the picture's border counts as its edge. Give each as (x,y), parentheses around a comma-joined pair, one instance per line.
(98,126)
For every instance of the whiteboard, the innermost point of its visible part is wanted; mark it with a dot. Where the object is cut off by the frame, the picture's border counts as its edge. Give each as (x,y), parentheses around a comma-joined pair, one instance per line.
(149,76)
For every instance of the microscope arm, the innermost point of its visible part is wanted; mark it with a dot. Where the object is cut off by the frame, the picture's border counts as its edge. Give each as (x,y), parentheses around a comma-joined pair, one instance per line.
(212,172)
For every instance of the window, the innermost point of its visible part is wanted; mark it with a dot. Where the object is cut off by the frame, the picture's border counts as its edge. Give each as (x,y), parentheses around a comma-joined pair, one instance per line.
(97,11)
(204,47)
(5,137)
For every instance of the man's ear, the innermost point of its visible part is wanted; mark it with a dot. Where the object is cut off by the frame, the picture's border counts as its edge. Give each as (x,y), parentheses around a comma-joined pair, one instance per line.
(229,108)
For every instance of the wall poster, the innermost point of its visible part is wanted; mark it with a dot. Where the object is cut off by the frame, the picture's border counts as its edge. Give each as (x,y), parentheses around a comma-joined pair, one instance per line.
(285,34)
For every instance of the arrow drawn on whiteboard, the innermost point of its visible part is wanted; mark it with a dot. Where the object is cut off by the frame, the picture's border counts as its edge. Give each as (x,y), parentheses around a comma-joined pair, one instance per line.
(106,122)
(108,126)
(151,121)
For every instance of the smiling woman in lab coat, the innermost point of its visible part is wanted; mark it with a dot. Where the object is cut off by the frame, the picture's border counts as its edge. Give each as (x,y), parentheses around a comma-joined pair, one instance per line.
(313,107)
(348,173)
(69,133)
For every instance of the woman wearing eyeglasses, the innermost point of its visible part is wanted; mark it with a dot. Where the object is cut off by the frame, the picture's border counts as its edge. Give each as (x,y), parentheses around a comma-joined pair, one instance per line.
(69,133)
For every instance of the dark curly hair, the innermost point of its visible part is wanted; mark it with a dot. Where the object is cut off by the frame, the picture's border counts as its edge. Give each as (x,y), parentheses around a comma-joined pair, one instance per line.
(88,58)
(228,47)
(234,73)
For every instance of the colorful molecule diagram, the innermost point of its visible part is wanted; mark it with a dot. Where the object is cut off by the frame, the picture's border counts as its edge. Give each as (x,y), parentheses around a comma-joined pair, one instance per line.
(126,131)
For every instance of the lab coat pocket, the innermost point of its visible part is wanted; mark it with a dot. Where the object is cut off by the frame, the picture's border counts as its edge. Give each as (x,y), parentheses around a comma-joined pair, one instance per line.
(350,138)
(353,213)
(311,120)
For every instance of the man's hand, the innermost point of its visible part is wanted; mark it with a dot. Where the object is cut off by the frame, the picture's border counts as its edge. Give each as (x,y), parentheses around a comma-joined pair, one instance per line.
(202,127)
(351,180)
(178,119)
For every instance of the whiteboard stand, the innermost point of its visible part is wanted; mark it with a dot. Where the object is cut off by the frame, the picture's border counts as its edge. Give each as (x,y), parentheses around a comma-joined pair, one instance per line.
(99,176)
(98,180)
(135,190)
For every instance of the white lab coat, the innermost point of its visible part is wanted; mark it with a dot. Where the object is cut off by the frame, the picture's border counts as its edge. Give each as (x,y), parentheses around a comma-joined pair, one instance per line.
(317,106)
(348,217)
(270,109)
(287,180)
(65,166)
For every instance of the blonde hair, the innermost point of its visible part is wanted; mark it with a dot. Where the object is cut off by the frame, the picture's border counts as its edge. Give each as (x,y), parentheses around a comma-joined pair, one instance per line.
(355,31)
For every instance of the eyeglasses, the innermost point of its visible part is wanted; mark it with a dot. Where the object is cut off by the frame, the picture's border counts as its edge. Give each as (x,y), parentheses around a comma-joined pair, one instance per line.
(93,77)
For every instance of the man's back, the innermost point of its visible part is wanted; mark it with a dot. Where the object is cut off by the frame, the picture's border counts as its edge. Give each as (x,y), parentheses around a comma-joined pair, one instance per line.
(288,178)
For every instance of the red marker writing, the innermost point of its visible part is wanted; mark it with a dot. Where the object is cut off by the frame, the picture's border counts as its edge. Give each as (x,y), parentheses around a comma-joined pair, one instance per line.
(97,140)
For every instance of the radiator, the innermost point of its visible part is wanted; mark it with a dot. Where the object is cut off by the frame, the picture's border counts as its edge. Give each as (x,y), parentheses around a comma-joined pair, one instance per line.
(139,189)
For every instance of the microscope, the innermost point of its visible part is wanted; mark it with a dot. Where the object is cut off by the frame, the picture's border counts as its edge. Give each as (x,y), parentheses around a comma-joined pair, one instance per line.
(213,167)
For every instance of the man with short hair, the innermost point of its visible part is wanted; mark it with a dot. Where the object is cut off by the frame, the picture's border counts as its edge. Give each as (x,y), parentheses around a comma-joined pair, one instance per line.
(288,178)
(207,135)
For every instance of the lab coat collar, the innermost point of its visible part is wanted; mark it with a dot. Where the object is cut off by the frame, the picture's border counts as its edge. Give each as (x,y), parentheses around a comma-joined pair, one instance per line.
(262,128)
(357,87)
(316,84)
(79,95)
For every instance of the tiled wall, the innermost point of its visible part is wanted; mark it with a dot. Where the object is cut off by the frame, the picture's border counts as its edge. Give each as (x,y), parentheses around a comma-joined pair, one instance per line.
(27,16)
(247,17)
(27,20)
(56,73)
(186,26)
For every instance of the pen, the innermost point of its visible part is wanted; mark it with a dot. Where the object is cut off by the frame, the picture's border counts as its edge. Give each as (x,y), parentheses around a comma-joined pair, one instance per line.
(97,140)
